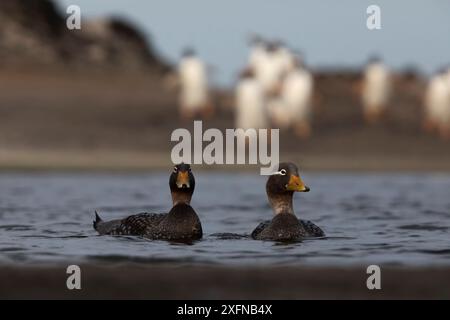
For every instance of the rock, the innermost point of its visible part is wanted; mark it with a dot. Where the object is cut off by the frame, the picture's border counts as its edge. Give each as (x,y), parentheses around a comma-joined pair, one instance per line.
(35,33)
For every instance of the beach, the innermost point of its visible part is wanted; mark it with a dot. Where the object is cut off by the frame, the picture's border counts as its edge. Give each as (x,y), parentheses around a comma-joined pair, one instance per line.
(111,121)
(131,281)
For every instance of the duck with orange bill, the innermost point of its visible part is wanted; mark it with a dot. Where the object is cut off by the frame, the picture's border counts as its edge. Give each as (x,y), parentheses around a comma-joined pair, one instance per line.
(285,226)
(181,223)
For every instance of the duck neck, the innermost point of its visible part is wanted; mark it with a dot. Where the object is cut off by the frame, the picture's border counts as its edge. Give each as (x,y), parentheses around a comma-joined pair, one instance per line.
(181,197)
(281,202)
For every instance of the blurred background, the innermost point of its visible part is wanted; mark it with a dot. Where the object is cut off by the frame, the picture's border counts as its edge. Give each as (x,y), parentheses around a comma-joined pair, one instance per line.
(107,98)
(330,35)
(110,94)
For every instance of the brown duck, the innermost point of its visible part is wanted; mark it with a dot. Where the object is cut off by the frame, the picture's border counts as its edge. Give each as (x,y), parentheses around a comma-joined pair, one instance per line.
(181,223)
(285,226)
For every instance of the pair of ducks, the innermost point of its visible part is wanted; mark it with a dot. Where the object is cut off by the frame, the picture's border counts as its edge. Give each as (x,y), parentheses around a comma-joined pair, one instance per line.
(183,224)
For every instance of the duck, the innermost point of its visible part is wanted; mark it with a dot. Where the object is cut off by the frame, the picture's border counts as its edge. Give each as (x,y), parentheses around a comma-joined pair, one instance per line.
(181,223)
(285,226)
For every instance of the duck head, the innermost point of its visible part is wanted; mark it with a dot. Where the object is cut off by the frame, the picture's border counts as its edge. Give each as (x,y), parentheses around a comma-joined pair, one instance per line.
(281,186)
(182,184)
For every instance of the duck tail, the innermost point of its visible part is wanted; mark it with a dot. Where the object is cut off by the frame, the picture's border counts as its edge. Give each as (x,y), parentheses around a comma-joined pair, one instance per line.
(97,220)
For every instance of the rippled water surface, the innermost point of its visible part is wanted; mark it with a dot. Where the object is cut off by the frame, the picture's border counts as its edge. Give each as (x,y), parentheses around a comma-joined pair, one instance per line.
(399,219)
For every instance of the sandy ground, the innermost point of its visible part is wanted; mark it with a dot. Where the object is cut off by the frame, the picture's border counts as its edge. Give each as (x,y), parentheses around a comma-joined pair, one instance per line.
(56,120)
(205,282)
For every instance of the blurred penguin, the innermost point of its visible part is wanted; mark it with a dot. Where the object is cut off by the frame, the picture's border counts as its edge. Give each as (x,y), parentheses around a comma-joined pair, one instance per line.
(257,53)
(445,126)
(267,71)
(376,90)
(297,93)
(437,104)
(194,98)
(250,103)
(279,114)
(284,59)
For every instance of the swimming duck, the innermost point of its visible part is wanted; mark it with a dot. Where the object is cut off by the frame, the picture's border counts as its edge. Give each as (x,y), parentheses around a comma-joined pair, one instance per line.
(285,226)
(180,224)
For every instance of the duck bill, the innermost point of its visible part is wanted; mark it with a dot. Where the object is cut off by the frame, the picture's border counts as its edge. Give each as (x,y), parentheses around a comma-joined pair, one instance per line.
(183,180)
(296,184)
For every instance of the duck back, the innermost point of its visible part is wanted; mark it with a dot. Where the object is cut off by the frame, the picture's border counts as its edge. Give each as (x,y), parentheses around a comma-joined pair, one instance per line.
(286,227)
(283,227)
(181,223)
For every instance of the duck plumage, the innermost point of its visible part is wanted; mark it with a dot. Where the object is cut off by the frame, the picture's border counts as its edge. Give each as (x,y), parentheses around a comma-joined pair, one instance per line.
(180,223)
(285,226)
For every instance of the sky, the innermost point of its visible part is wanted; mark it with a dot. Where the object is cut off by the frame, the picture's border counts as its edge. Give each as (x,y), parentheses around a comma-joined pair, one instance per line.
(329,33)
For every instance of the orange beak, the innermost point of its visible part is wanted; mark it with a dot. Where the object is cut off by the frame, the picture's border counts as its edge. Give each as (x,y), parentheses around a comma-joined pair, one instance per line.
(183,179)
(296,184)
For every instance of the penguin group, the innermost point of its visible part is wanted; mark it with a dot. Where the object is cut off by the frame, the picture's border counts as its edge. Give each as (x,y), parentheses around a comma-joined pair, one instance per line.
(276,89)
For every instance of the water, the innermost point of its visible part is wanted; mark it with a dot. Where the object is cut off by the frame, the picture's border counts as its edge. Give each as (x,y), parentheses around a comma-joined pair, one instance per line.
(387,219)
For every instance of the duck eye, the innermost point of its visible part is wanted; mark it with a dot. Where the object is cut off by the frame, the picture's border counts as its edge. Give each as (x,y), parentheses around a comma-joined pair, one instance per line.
(175,169)
(283,172)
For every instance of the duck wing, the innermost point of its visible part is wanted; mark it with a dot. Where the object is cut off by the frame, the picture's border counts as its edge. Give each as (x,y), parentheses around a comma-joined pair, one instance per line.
(137,224)
(311,229)
(260,228)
